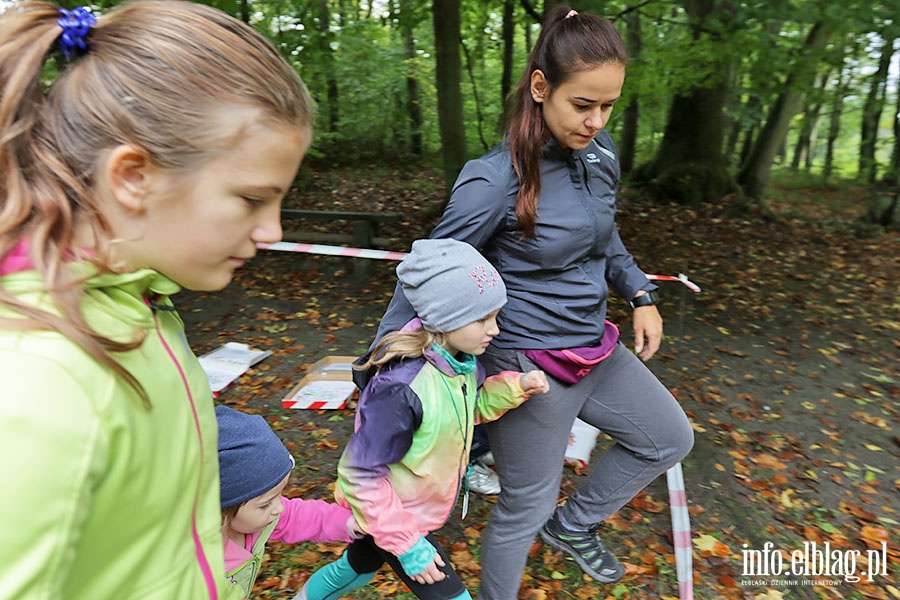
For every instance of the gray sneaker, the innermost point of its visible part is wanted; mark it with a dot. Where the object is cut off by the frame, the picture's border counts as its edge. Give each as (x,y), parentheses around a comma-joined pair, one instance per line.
(483,479)
(586,548)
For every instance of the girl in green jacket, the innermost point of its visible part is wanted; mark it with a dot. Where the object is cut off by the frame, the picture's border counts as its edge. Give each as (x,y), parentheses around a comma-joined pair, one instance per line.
(141,151)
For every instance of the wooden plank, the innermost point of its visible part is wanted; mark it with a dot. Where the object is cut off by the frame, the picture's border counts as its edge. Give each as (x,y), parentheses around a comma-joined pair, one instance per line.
(294,213)
(334,239)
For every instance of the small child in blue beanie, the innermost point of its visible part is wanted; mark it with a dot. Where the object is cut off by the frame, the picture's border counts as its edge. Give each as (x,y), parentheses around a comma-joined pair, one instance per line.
(407,462)
(254,467)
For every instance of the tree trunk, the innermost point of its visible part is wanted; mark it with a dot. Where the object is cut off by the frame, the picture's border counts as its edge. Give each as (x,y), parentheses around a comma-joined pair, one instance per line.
(892,176)
(841,89)
(448,66)
(689,166)
(413,104)
(532,11)
(509,40)
(479,116)
(834,128)
(884,204)
(549,4)
(631,116)
(868,139)
(733,134)
(754,175)
(803,146)
(324,30)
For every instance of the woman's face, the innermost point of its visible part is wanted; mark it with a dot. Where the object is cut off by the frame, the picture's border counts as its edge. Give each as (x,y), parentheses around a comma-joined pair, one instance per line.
(579,108)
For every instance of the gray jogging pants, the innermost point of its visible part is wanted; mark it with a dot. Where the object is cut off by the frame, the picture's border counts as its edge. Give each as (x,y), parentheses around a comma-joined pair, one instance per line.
(621,397)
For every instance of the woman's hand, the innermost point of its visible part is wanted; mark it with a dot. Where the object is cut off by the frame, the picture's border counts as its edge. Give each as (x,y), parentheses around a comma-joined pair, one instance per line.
(648,328)
(534,382)
(432,573)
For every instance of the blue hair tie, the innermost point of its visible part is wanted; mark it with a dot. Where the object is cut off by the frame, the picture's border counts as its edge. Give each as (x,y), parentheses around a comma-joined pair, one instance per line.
(76,24)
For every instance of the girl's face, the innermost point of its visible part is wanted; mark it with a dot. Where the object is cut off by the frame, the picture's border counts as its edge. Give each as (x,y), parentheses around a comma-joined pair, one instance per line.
(256,514)
(473,338)
(198,228)
(578,109)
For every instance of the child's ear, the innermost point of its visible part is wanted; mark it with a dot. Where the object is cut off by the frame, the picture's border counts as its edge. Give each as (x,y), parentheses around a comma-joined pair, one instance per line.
(127,171)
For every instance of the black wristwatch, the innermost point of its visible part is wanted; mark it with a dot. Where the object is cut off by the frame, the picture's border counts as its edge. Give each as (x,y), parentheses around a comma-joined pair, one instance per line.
(644,299)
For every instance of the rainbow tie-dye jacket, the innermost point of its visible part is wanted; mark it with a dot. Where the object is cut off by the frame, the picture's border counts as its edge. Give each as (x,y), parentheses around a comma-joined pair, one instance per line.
(401,472)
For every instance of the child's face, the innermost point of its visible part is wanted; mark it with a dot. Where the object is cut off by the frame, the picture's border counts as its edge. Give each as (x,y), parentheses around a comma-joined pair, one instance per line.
(256,514)
(473,338)
(198,228)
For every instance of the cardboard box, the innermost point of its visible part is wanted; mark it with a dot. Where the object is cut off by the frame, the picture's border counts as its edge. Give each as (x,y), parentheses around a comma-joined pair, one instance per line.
(327,385)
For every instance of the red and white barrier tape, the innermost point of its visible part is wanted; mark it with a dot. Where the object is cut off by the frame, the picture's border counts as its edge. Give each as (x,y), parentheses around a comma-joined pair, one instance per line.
(681,532)
(391,255)
(682,278)
(333,250)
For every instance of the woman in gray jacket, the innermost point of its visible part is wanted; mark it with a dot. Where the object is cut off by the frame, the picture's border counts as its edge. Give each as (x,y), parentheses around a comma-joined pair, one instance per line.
(541,207)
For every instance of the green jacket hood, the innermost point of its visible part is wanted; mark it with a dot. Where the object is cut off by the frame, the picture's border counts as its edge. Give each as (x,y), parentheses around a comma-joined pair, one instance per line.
(121,500)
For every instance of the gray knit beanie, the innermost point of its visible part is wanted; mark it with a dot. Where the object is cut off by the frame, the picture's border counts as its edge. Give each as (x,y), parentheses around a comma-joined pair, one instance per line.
(252,459)
(450,284)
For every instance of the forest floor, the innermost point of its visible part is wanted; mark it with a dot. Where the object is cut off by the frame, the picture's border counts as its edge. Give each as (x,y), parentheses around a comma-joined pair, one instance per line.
(786,362)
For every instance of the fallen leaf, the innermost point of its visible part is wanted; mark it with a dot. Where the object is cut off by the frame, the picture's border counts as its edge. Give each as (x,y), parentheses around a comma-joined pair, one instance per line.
(769,595)
(707,545)
(768,461)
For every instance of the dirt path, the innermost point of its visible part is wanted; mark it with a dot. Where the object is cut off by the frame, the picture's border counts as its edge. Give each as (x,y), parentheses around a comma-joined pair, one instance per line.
(787,364)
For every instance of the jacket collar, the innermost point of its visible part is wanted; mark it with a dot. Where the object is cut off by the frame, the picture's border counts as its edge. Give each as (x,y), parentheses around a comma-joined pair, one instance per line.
(124,298)
(449,365)
(441,359)
(553,151)
(140,282)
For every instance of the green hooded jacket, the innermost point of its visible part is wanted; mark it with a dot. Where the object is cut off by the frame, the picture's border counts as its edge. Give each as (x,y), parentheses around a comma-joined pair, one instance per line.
(102,497)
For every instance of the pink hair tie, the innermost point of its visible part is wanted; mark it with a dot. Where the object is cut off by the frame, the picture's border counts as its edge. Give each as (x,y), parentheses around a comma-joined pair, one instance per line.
(571,13)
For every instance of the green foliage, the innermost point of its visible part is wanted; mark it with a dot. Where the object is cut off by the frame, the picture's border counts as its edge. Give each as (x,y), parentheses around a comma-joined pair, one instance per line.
(372,99)
(357,68)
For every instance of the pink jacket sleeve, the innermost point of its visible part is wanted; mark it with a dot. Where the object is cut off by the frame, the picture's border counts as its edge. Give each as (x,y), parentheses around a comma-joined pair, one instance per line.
(312,521)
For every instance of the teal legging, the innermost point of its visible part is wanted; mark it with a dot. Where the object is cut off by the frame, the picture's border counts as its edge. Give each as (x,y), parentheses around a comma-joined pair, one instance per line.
(358,564)
(334,580)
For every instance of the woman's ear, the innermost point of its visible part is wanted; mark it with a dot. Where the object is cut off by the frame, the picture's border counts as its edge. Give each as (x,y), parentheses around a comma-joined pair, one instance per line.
(127,171)
(539,86)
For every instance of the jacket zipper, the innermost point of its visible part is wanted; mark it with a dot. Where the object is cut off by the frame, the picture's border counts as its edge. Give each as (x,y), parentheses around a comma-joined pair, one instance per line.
(198,546)
(581,361)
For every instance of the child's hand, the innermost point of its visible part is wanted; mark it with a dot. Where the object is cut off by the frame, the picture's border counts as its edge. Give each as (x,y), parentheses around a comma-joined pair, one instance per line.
(432,573)
(534,382)
(422,553)
(354,530)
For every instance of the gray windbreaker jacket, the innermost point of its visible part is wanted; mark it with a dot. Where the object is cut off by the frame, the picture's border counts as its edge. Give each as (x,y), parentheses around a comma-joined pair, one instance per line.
(557,281)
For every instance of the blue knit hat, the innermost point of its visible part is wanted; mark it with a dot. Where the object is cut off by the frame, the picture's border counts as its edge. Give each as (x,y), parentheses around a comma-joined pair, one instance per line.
(449,284)
(252,459)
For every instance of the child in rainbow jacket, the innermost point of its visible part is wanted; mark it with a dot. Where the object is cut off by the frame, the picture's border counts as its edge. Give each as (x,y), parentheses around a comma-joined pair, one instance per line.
(402,471)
